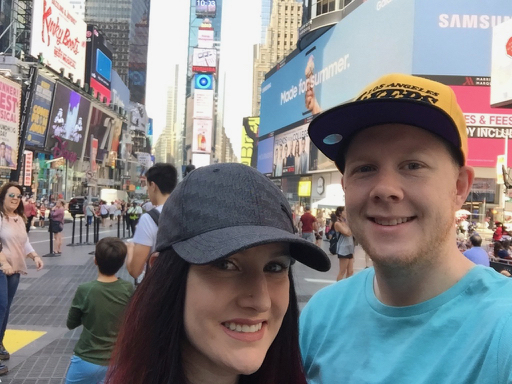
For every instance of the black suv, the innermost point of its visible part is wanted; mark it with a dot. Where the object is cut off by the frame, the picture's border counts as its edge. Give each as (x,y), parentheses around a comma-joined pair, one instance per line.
(76,205)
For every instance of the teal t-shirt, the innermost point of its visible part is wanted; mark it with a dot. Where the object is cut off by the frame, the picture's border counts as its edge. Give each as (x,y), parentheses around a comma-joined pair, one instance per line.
(464,335)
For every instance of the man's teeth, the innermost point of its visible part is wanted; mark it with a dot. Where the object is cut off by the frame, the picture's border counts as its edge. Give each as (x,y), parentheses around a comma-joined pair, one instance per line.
(393,221)
(243,328)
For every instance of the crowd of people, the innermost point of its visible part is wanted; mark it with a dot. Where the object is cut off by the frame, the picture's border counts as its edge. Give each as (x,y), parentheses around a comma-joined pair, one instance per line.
(218,302)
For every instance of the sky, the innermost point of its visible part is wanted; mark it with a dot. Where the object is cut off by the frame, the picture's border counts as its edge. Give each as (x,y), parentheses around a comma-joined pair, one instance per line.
(168,39)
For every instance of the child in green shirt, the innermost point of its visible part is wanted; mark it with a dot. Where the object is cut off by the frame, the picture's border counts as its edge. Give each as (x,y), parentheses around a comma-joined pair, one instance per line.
(98,305)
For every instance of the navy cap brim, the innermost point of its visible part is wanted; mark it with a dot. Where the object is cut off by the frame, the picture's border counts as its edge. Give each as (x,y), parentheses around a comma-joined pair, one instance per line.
(220,243)
(331,129)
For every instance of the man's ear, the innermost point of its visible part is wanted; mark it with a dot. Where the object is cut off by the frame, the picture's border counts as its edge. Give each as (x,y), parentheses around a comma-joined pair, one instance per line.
(465,180)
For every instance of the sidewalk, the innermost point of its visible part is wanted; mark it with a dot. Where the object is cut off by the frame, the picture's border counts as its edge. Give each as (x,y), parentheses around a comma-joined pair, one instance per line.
(41,306)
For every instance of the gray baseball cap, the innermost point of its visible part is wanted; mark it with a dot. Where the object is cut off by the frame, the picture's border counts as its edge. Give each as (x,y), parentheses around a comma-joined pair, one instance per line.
(222,209)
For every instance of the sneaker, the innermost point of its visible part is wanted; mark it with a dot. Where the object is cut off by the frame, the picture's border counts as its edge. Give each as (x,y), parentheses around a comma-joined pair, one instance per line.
(3,369)
(4,355)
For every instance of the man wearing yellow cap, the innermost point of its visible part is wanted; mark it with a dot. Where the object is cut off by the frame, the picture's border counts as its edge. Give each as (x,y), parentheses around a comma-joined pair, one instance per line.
(425,313)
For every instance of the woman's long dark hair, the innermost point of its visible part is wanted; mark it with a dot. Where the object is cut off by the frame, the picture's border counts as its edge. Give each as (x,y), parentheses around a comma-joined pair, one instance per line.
(148,348)
(20,209)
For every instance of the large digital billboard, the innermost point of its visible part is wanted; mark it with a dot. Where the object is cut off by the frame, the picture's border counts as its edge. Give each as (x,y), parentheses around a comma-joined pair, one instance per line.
(454,37)
(119,92)
(10,103)
(98,70)
(138,118)
(40,111)
(336,66)
(487,127)
(59,35)
(202,136)
(204,60)
(501,69)
(206,8)
(203,104)
(249,154)
(68,123)
(102,127)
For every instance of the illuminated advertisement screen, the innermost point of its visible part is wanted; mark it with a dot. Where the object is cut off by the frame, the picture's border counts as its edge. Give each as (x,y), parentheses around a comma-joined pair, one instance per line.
(10,97)
(291,152)
(249,154)
(68,123)
(204,60)
(501,70)
(98,72)
(265,162)
(487,127)
(336,66)
(102,126)
(203,104)
(40,111)
(59,35)
(202,136)
(206,8)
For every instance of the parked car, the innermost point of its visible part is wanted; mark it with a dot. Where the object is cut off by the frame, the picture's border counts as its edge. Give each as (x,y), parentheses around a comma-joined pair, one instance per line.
(76,205)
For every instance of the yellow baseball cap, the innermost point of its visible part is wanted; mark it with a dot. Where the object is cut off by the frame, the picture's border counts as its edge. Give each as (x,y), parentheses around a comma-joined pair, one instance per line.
(393,98)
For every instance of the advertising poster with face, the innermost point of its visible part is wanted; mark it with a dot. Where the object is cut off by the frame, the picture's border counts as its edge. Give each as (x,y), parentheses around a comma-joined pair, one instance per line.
(116,139)
(101,127)
(68,123)
(10,99)
(40,111)
(291,152)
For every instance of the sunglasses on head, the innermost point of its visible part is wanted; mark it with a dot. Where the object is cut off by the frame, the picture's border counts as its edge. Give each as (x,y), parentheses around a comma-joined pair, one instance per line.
(13,195)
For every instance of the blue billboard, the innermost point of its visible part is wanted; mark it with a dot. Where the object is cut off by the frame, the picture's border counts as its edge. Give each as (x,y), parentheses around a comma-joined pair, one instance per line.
(372,40)
(265,156)
(120,92)
(454,37)
(40,111)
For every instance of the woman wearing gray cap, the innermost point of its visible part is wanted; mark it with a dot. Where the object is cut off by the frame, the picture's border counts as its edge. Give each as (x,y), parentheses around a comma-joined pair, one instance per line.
(219,303)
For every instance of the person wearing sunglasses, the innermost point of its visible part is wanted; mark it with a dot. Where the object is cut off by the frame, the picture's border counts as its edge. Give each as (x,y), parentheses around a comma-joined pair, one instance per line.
(16,248)
(218,304)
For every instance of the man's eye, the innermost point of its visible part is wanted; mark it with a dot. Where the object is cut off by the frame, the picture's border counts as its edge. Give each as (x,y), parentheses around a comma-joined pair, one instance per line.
(365,168)
(413,166)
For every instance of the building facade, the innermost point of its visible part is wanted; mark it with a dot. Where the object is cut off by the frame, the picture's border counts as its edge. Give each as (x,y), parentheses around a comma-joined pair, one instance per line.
(280,41)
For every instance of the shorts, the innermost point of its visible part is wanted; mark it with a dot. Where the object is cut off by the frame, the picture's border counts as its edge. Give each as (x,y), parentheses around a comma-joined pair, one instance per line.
(104,216)
(111,216)
(346,256)
(41,218)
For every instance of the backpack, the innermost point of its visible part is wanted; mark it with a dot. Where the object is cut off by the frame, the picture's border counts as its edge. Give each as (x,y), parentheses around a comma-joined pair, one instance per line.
(155,215)
(333,241)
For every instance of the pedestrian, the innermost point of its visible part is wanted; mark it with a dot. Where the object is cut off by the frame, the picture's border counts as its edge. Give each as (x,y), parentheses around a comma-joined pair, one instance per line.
(89,213)
(308,224)
(104,298)
(424,313)
(30,213)
(219,296)
(189,168)
(161,181)
(16,248)
(42,214)
(321,227)
(57,225)
(498,232)
(476,253)
(134,213)
(345,246)
(103,212)
(112,208)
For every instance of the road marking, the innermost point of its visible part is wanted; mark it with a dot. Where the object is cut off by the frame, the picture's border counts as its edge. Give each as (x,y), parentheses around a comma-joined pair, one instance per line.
(320,281)
(69,237)
(14,340)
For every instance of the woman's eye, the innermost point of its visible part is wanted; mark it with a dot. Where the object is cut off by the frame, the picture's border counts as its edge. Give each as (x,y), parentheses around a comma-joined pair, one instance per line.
(226,265)
(276,267)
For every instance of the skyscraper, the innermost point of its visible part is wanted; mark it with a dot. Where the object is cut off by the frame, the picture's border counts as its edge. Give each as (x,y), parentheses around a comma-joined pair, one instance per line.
(126,25)
(280,41)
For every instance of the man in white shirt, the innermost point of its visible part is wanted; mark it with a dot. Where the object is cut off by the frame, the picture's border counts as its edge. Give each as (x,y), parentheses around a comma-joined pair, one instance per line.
(161,180)
(112,211)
